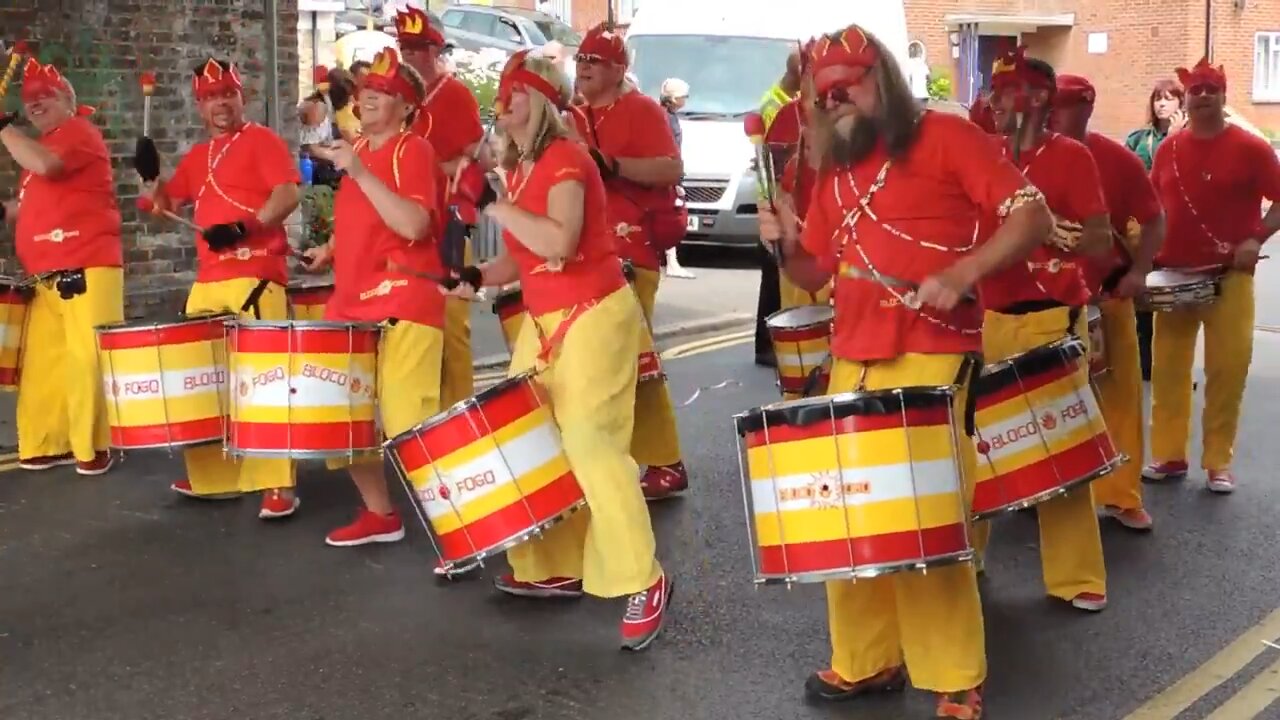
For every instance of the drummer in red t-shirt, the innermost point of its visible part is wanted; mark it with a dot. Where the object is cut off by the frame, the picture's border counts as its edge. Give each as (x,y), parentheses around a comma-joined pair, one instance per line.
(1212,177)
(244,183)
(560,248)
(67,230)
(385,216)
(1040,301)
(632,145)
(1114,280)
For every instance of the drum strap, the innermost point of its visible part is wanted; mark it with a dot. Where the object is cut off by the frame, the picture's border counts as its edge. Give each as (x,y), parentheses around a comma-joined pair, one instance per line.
(811,382)
(970,373)
(549,344)
(251,302)
(1073,316)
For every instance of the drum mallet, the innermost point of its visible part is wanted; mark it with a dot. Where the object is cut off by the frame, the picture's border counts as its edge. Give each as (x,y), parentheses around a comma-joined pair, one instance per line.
(146,205)
(148,89)
(15,58)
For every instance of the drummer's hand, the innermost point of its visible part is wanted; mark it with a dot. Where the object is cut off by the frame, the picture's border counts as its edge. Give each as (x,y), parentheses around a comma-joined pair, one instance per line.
(317,259)
(342,155)
(466,283)
(1246,256)
(1066,234)
(948,288)
(778,224)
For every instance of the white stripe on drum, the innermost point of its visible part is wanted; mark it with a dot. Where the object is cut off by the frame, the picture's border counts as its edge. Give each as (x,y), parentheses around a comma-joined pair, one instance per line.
(1057,419)
(862,486)
(170,384)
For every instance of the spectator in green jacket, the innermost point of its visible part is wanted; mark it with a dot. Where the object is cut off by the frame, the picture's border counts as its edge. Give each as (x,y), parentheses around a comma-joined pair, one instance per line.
(1164,115)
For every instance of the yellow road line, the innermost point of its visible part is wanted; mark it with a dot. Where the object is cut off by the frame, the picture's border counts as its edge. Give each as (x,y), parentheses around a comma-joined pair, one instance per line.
(708,344)
(1253,698)
(1218,669)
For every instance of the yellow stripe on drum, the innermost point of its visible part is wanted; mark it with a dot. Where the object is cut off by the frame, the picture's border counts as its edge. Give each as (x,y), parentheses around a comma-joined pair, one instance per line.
(1034,453)
(308,312)
(172,358)
(361,411)
(474,451)
(889,516)
(159,411)
(867,449)
(1050,394)
(792,348)
(503,496)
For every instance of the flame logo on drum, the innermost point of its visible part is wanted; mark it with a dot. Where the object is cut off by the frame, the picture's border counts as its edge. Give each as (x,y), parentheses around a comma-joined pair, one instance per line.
(1048,421)
(826,490)
(356,384)
(243,388)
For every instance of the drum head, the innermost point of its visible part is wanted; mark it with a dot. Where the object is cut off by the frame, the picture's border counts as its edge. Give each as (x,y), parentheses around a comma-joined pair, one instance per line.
(1094,313)
(183,319)
(309,284)
(1170,278)
(808,411)
(802,316)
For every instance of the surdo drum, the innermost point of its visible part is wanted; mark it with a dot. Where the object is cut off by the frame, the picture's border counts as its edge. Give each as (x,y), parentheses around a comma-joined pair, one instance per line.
(1173,289)
(851,486)
(307,298)
(802,346)
(302,389)
(14,302)
(1040,432)
(165,383)
(487,474)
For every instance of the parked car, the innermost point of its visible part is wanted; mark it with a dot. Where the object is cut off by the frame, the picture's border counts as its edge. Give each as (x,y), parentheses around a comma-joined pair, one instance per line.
(510,29)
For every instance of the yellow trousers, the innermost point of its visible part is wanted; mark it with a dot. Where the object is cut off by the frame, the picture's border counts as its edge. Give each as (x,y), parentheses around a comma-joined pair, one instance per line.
(61,408)
(408,382)
(457,379)
(1228,350)
(1070,542)
(931,621)
(1120,395)
(209,471)
(591,381)
(655,441)
(793,295)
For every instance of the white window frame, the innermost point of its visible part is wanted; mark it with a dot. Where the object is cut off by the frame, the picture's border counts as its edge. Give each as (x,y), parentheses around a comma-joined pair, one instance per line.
(1266,67)
(627,10)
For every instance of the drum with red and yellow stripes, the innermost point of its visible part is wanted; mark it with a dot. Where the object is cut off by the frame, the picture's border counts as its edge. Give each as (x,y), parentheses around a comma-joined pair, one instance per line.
(802,346)
(853,485)
(1099,363)
(302,389)
(488,474)
(1040,432)
(14,300)
(307,298)
(165,383)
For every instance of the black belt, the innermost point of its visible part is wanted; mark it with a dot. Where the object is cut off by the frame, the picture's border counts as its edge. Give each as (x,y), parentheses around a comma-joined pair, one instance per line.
(251,302)
(970,373)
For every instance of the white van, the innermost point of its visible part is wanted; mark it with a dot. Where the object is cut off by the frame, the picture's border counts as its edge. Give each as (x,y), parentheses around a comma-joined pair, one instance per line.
(731,52)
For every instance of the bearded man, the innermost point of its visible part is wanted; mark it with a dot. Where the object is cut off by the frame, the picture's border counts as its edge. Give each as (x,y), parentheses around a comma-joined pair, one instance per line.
(899,193)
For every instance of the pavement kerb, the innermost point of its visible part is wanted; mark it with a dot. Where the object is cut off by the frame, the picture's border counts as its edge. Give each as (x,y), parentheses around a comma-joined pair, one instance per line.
(666,332)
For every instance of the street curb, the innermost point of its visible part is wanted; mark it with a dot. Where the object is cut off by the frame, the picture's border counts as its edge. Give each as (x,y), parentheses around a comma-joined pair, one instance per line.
(667,332)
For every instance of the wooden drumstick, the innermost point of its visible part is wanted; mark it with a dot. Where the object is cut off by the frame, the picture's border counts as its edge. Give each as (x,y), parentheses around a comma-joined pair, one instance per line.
(437,279)
(15,58)
(148,88)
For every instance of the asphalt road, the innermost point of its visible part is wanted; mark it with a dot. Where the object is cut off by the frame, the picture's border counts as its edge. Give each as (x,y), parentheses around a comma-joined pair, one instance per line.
(120,600)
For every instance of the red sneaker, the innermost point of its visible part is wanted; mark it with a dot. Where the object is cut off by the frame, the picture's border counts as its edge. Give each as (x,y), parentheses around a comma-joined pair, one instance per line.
(961,705)
(49,462)
(1221,482)
(1090,602)
(275,505)
(369,527)
(99,465)
(545,589)
(1166,470)
(183,487)
(828,686)
(646,613)
(660,482)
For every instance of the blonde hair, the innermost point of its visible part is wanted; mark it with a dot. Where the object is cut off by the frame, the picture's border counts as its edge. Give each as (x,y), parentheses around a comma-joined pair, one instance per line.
(545,123)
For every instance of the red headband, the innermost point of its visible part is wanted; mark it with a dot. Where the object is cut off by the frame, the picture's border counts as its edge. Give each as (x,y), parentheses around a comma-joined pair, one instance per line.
(1073,90)
(415,30)
(1010,71)
(1203,74)
(842,60)
(516,78)
(40,81)
(384,76)
(602,43)
(213,79)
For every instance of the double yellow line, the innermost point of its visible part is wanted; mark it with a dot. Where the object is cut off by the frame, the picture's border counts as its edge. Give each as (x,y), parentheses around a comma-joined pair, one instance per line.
(1252,700)
(8,461)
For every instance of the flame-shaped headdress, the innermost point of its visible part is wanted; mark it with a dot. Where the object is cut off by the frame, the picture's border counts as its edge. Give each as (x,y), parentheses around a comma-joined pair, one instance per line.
(41,81)
(603,44)
(215,77)
(1075,89)
(1203,74)
(1011,70)
(842,59)
(384,76)
(516,78)
(418,30)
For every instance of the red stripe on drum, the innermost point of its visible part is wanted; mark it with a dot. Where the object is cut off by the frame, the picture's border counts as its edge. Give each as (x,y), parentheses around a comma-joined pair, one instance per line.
(137,437)
(508,306)
(916,417)
(497,528)
(304,437)
(302,339)
(804,334)
(1029,383)
(444,435)
(147,336)
(650,366)
(9,377)
(1043,475)
(889,548)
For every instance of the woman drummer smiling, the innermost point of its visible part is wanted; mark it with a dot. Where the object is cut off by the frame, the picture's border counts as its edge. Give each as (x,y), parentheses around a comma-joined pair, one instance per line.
(583,340)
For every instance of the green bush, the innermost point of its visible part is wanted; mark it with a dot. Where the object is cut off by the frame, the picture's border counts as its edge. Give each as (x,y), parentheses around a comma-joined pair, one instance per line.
(317,213)
(939,84)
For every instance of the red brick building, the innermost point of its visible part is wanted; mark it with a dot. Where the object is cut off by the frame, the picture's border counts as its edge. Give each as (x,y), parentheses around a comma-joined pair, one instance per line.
(1124,46)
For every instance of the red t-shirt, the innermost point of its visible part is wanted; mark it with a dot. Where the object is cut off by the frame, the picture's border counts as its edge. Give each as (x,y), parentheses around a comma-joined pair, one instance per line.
(952,165)
(229,178)
(1064,171)
(70,221)
(1129,195)
(633,126)
(798,180)
(449,118)
(595,271)
(1218,203)
(364,288)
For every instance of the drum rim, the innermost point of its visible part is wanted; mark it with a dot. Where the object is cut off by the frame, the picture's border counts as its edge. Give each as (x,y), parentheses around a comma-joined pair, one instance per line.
(1194,278)
(302,325)
(992,368)
(134,325)
(458,408)
(827,309)
(299,287)
(948,391)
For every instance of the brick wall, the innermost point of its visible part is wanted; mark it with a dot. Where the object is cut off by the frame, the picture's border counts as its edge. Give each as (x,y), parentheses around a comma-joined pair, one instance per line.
(102,46)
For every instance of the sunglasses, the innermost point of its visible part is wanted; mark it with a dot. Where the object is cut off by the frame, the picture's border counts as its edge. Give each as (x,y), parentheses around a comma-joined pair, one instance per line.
(1204,89)
(588,59)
